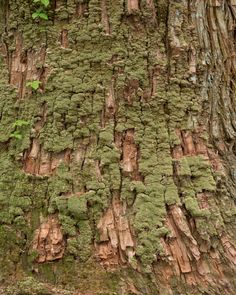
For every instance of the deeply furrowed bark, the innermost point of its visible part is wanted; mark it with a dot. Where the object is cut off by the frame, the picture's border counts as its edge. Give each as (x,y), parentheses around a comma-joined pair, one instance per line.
(117,175)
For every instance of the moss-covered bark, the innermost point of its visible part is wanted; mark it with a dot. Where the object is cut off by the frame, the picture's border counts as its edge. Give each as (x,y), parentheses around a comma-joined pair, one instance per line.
(117,175)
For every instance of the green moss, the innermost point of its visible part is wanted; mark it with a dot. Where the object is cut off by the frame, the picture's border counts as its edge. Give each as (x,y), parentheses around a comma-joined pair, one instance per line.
(15,211)
(20,222)
(11,245)
(77,206)
(191,205)
(148,223)
(138,186)
(32,255)
(202,177)
(61,204)
(149,246)
(98,202)
(28,286)
(74,98)
(183,167)
(115,176)
(68,225)
(23,202)
(106,136)
(171,193)
(84,240)
(46,272)
(108,155)
(127,191)
(73,246)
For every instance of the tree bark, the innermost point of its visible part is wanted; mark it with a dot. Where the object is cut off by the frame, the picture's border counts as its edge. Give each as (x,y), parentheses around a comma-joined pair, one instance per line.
(118,173)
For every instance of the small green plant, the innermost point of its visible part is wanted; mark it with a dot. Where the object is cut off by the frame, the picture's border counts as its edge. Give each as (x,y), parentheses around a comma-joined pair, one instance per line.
(18,124)
(40,12)
(33,84)
(16,134)
(43,2)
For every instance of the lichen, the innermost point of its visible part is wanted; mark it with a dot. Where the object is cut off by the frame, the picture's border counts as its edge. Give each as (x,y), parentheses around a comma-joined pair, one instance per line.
(153,95)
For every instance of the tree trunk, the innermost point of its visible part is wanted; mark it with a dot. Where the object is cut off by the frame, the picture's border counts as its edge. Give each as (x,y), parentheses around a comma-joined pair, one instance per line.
(117,147)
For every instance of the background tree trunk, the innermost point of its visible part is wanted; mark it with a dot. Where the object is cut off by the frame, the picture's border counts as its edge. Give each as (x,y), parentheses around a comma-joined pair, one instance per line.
(118,174)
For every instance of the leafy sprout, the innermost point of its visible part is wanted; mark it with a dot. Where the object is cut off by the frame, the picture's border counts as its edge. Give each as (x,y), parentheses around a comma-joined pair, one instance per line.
(40,12)
(18,123)
(33,84)
(16,134)
(43,2)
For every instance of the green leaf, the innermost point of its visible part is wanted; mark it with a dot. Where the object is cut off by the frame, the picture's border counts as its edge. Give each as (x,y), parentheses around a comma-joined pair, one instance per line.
(16,134)
(34,84)
(40,13)
(35,15)
(45,2)
(43,15)
(20,123)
